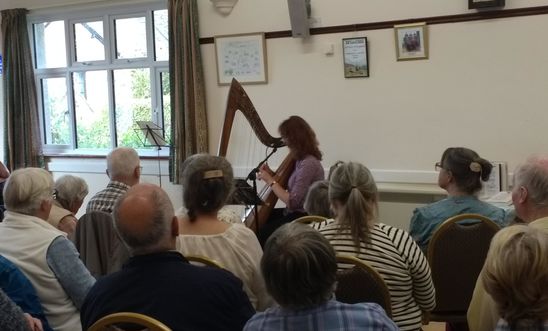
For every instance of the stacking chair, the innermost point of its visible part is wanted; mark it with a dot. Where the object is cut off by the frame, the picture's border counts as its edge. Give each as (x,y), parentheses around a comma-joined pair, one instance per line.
(98,243)
(203,261)
(456,255)
(125,318)
(361,283)
(310,219)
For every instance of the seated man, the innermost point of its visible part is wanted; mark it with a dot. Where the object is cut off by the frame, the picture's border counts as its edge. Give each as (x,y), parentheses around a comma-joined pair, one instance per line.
(158,281)
(12,317)
(124,171)
(18,288)
(300,270)
(42,252)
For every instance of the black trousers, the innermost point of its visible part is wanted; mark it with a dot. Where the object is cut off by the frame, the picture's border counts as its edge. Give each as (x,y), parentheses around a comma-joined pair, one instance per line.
(277,218)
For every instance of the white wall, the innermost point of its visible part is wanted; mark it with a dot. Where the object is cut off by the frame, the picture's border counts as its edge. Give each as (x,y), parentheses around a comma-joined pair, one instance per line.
(482,87)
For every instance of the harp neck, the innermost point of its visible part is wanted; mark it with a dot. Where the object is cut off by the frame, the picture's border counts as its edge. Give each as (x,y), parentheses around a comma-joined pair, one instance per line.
(238,100)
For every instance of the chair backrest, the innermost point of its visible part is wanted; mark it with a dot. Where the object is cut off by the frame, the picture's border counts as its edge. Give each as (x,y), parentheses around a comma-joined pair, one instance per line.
(100,247)
(129,318)
(456,255)
(361,283)
(203,261)
(310,219)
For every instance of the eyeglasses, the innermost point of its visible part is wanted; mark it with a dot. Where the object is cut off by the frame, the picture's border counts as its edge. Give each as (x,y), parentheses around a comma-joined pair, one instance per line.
(438,166)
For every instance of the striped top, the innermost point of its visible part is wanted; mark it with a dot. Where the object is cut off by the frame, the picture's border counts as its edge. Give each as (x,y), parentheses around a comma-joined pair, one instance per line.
(400,262)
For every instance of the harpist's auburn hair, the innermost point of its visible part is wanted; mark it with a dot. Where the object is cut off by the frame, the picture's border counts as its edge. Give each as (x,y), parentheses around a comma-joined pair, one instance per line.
(300,137)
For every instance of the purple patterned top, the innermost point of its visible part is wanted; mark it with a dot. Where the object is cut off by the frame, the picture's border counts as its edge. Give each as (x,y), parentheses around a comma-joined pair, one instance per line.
(307,171)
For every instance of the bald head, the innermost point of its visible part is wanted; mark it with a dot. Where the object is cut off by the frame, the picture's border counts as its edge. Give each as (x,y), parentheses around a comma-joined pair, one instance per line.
(530,191)
(145,220)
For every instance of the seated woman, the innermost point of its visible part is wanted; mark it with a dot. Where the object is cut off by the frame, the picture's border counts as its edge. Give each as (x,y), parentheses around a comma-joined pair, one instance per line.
(461,171)
(391,251)
(70,192)
(516,276)
(317,201)
(207,183)
(303,148)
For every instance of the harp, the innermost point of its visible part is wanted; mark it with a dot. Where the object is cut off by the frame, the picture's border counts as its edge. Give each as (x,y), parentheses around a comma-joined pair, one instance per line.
(238,100)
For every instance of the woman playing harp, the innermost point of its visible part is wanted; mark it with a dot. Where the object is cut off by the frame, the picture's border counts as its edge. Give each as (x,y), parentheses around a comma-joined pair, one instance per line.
(301,140)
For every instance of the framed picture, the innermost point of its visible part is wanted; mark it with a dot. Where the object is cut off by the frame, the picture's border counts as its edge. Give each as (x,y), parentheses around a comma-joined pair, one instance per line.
(411,41)
(472,4)
(356,62)
(241,56)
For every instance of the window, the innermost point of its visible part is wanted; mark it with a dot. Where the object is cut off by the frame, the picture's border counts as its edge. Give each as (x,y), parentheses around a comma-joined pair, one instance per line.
(98,73)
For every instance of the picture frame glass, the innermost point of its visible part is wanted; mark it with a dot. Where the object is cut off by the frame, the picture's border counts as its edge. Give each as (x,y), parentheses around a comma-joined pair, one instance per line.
(355,57)
(242,57)
(411,42)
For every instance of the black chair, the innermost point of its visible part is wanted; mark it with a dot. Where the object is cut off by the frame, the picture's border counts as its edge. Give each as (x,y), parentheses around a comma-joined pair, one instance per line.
(361,283)
(100,247)
(456,255)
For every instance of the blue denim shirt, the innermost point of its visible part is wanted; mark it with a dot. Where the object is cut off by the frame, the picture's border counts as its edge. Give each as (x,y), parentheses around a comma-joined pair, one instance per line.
(19,289)
(426,219)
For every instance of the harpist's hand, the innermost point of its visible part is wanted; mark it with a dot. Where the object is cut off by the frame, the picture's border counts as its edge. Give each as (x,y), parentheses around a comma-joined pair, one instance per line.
(265,173)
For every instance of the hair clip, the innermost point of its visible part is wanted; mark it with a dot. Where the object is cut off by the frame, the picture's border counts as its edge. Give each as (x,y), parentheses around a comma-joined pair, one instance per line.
(475,166)
(213,174)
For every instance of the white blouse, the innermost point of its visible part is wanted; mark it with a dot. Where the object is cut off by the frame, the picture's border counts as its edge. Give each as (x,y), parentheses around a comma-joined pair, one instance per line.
(238,251)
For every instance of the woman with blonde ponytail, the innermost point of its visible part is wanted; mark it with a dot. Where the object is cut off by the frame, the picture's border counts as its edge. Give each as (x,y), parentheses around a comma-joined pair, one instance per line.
(391,251)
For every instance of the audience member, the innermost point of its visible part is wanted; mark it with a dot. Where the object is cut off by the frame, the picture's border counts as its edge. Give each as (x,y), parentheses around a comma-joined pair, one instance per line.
(70,192)
(516,276)
(207,183)
(304,149)
(18,288)
(391,251)
(158,281)
(317,200)
(43,253)
(12,317)
(530,198)
(300,270)
(124,171)
(461,171)
(4,174)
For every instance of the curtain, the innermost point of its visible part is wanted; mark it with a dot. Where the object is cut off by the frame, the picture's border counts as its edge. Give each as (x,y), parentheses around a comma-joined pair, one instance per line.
(188,111)
(23,146)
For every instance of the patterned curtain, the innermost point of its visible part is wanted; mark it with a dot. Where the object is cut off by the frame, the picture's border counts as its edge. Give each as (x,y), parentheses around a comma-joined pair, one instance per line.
(23,147)
(188,110)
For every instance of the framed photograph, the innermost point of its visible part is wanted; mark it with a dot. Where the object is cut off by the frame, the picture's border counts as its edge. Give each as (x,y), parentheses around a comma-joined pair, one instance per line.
(241,56)
(411,41)
(473,4)
(356,62)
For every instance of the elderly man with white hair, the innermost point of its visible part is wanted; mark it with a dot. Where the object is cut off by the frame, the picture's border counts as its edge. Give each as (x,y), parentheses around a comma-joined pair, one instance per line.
(124,171)
(70,192)
(42,252)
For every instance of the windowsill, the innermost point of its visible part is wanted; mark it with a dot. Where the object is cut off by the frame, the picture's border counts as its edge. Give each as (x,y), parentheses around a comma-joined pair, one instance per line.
(102,153)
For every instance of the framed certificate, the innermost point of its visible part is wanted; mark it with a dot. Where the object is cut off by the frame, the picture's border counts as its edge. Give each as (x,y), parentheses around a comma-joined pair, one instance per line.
(241,56)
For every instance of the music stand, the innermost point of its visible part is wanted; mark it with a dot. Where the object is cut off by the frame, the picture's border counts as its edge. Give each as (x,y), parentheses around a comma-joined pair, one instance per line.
(154,135)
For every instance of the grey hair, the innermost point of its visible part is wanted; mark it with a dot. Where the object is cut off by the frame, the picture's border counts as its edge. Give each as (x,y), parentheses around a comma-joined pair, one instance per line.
(70,189)
(26,188)
(353,187)
(317,199)
(160,229)
(533,175)
(121,162)
(206,195)
(299,266)
(516,276)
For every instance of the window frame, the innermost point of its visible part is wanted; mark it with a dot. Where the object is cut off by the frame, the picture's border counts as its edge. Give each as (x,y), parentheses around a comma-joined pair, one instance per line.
(107,14)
